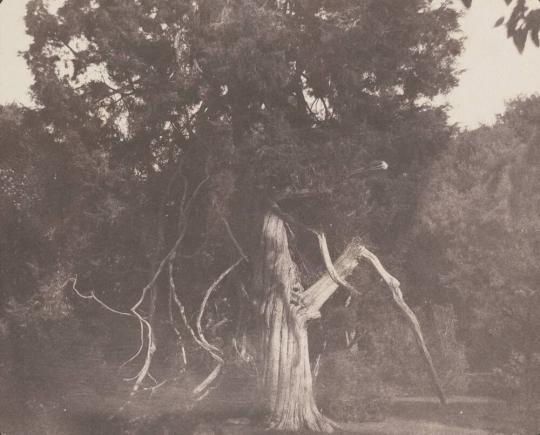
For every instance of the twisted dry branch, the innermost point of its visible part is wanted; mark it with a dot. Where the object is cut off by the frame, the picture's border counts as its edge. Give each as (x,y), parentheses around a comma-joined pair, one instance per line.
(393,285)
(230,233)
(205,301)
(145,325)
(92,296)
(199,338)
(213,351)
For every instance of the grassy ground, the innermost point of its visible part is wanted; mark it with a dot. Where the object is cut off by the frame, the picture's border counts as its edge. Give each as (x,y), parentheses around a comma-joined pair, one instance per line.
(95,404)
(83,412)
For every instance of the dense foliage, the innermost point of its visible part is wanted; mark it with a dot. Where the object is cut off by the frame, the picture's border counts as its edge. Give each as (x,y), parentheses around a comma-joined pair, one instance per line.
(482,205)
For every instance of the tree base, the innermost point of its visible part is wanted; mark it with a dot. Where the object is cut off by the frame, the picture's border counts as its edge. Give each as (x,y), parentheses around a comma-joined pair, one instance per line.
(311,419)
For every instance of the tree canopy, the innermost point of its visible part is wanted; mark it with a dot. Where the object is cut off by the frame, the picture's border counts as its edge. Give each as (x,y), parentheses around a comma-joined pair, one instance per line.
(482,204)
(256,95)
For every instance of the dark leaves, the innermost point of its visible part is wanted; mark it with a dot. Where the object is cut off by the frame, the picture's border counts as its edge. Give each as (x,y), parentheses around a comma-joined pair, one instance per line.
(523,20)
(534,37)
(520,37)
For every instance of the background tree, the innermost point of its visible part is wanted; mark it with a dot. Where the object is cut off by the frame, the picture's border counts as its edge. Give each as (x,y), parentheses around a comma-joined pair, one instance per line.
(482,205)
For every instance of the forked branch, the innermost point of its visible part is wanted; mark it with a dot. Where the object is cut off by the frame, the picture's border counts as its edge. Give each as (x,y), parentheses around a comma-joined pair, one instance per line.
(147,341)
(214,352)
(198,336)
(92,296)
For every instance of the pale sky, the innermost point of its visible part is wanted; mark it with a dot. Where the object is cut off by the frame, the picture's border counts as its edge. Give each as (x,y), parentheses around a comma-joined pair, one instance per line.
(494,70)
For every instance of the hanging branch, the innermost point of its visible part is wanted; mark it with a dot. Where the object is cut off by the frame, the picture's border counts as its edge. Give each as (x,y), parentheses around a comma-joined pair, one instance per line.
(199,337)
(214,352)
(92,296)
(397,295)
(145,324)
(230,233)
(205,300)
(182,227)
(393,285)
(146,331)
(208,381)
(213,375)
(171,316)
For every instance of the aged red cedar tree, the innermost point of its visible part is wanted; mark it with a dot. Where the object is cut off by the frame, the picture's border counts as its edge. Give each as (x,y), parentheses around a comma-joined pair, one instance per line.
(214,91)
(285,383)
(286,386)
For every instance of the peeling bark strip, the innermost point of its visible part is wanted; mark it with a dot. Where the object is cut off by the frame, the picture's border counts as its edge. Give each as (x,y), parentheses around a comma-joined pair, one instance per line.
(285,384)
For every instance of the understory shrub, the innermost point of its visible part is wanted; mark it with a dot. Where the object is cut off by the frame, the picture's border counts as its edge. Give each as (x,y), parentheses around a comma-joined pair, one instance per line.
(391,348)
(349,389)
(358,383)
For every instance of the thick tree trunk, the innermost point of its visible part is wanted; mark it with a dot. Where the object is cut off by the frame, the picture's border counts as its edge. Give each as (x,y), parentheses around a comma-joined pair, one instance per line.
(285,380)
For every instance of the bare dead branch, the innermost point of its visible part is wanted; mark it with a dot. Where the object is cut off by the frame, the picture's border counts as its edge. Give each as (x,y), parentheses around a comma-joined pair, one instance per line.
(150,349)
(205,300)
(397,295)
(144,324)
(243,292)
(173,324)
(319,292)
(393,284)
(143,372)
(355,338)
(146,331)
(92,296)
(323,246)
(230,233)
(182,311)
(139,350)
(208,380)
(242,353)
(155,387)
(184,193)
(196,191)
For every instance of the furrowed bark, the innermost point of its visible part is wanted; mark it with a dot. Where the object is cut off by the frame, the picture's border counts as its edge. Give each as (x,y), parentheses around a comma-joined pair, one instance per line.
(286,387)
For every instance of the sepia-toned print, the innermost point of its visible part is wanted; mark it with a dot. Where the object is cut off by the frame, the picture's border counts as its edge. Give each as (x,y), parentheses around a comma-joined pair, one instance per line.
(242,217)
